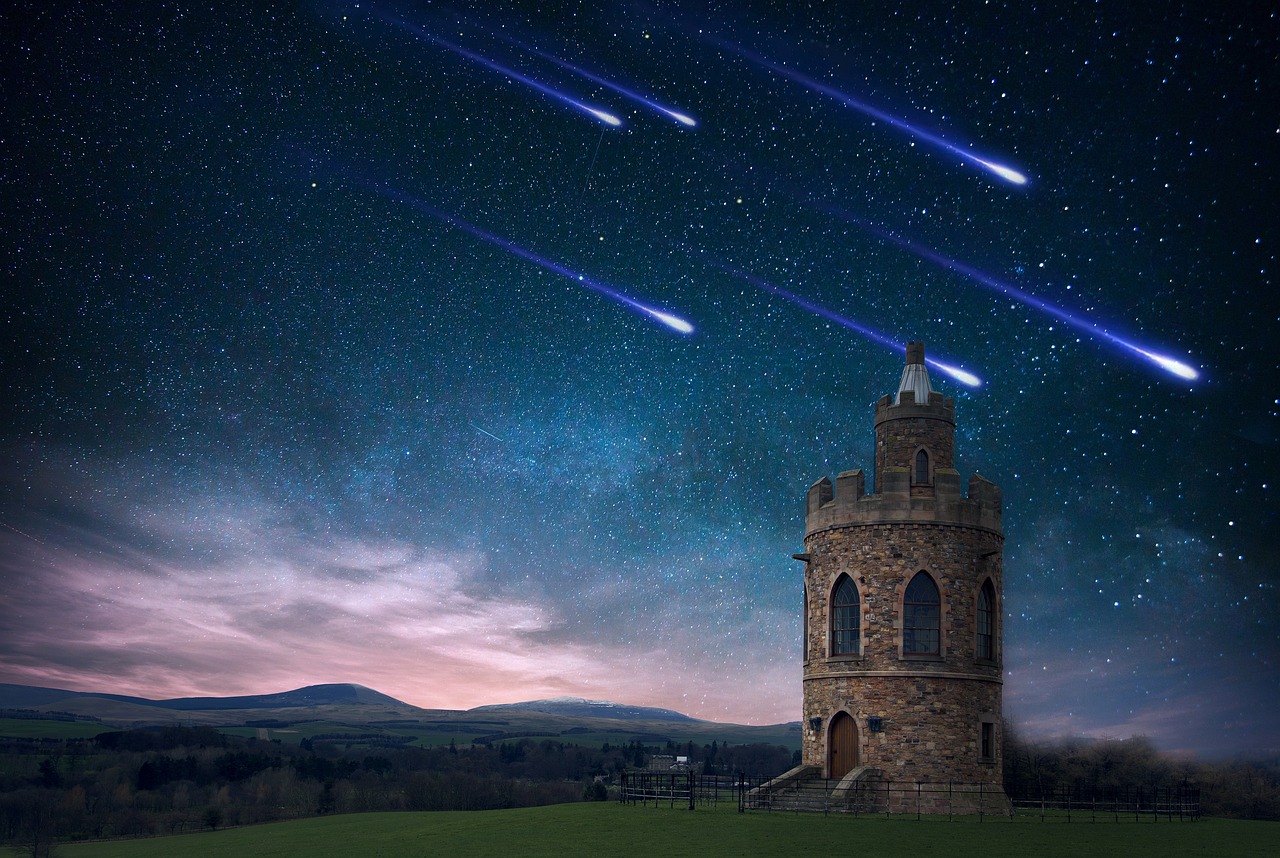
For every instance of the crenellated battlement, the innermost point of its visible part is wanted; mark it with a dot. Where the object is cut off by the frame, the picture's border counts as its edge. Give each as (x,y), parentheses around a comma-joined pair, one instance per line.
(938,407)
(845,503)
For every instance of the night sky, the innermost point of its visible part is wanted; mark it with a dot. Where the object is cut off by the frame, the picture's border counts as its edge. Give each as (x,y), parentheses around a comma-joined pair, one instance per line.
(357,343)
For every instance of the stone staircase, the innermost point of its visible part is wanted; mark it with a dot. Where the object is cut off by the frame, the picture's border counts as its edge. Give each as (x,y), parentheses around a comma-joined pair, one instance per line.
(804,790)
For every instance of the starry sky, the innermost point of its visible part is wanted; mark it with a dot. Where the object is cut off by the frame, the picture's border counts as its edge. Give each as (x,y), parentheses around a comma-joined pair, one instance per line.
(476,353)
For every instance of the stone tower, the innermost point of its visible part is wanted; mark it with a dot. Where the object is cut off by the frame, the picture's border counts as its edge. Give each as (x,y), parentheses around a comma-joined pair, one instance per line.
(903,595)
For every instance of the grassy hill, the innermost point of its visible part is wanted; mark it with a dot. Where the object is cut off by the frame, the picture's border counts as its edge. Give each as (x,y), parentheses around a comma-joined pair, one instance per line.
(613,829)
(375,720)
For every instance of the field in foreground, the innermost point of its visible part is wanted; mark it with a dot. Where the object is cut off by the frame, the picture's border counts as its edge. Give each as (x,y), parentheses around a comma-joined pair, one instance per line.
(613,829)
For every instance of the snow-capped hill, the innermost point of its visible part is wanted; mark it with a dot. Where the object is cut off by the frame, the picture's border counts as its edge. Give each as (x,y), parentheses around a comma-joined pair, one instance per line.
(579,707)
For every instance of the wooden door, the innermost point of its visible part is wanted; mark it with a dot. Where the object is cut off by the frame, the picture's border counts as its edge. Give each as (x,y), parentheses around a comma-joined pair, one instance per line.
(842,746)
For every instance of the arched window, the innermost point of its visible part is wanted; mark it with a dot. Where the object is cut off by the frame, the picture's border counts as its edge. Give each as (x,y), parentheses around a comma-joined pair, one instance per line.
(846,618)
(922,468)
(985,623)
(921,617)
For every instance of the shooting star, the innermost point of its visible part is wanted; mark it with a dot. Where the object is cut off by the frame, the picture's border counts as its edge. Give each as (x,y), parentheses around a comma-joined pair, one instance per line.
(602,115)
(1008,174)
(484,432)
(960,375)
(682,118)
(21,533)
(670,320)
(1168,364)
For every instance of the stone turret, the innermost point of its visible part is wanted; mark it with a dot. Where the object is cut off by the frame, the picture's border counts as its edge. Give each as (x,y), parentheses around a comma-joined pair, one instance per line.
(916,419)
(903,597)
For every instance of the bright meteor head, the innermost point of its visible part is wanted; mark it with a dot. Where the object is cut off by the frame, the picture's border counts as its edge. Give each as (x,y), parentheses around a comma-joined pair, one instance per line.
(1007,173)
(607,118)
(1178,368)
(958,374)
(673,322)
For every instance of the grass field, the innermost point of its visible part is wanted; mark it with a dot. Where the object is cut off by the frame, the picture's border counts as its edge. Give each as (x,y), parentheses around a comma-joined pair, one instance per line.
(614,829)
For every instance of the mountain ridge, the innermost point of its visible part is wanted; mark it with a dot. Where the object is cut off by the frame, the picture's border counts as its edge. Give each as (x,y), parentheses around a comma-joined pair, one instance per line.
(14,696)
(23,696)
(580,707)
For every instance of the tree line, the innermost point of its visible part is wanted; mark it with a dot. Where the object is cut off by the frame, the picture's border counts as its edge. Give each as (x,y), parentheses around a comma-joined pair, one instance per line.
(146,782)
(1233,788)
(169,780)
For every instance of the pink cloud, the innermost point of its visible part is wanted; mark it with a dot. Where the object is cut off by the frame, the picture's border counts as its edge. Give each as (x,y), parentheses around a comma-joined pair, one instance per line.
(271,609)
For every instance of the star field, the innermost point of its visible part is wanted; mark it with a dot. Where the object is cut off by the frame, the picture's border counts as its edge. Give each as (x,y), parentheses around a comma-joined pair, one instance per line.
(336,354)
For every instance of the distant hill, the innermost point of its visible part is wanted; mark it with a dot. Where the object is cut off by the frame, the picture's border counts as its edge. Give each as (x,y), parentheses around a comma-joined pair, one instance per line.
(25,696)
(365,713)
(29,696)
(577,707)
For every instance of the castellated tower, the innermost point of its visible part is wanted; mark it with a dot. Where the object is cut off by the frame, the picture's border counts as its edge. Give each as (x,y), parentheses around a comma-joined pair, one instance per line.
(903,596)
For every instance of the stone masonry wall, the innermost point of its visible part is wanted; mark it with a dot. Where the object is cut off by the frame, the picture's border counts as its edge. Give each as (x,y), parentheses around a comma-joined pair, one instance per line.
(931,727)
(897,441)
(931,706)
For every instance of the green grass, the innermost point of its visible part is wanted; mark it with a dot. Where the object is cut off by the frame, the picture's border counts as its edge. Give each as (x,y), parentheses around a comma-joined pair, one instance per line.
(613,829)
(41,728)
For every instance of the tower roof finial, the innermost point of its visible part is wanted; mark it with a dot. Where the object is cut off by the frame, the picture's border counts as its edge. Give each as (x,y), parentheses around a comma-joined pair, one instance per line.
(915,375)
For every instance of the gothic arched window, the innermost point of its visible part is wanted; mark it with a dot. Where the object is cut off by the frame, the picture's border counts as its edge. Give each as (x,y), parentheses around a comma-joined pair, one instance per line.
(985,622)
(922,468)
(921,617)
(846,618)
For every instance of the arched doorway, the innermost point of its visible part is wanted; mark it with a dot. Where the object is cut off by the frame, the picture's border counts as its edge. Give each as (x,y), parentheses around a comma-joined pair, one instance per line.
(842,746)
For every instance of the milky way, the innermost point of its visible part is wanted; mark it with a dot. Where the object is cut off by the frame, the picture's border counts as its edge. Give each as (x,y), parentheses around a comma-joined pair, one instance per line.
(479,419)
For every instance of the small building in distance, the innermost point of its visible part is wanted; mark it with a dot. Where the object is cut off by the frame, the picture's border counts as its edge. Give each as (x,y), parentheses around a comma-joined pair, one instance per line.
(902,616)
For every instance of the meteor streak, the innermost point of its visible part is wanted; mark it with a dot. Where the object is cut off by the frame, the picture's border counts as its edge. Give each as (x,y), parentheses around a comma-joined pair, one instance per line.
(958,374)
(602,115)
(682,118)
(1166,363)
(21,533)
(484,432)
(1004,172)
(671,321)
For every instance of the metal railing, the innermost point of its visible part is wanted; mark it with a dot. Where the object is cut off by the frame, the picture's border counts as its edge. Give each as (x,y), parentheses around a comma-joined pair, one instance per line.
(880,798)
(687,790)
(1178,802)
